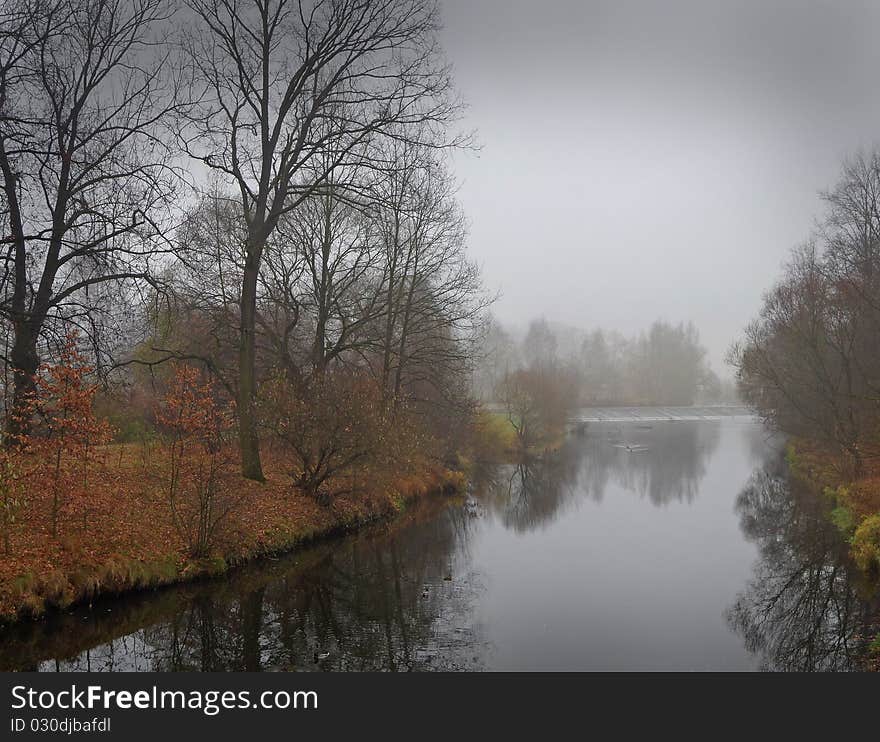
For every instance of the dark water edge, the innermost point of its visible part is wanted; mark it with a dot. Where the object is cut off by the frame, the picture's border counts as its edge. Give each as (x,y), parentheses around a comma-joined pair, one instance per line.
(697,553)
(114,632)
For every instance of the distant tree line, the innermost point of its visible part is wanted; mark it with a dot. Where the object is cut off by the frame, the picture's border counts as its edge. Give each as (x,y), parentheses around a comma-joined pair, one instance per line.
(665,365)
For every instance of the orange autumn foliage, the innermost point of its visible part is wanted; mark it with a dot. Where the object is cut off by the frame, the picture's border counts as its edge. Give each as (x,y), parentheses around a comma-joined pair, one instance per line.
(69,432)
(197,428)
(129,535)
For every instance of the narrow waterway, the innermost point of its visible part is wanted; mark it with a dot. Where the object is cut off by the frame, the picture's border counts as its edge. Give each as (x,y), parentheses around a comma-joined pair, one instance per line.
(662,545)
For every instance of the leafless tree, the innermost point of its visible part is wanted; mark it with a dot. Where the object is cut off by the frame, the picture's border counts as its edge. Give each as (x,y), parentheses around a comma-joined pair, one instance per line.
(344,274)
(86,174)
(810,362)
(282,82)
(434,308)
(797,363)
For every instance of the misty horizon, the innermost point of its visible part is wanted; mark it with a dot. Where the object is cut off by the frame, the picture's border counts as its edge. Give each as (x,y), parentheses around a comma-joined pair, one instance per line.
(640,162)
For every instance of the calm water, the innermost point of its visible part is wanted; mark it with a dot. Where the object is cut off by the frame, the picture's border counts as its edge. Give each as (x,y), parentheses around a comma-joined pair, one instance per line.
(692,551)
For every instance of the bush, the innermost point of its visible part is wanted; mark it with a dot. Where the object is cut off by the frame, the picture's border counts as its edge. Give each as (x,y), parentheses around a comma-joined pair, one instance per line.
(843,518)
(332,427)
(197,430)
(12,495)
(538,403)
(494,435)
(866,544)
(64,403)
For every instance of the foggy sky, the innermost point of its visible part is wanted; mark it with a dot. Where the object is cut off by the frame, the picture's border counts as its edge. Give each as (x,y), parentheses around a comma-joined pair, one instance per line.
(654,159)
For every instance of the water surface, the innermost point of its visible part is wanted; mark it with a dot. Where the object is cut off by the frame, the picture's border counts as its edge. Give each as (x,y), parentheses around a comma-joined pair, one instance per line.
(675,545)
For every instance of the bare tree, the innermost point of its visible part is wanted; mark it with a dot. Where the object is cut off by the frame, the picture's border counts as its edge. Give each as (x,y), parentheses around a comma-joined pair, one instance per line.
(810,363)
(797,365)
(283,81)
(434,305)
(86,173)
(342,291)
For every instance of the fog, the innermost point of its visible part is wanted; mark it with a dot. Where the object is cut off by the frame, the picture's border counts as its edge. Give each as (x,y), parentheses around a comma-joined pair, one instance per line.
(252,255)
(644,160)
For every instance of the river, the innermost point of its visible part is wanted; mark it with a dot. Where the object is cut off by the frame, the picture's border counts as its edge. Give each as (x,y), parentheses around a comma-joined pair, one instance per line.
(662,545)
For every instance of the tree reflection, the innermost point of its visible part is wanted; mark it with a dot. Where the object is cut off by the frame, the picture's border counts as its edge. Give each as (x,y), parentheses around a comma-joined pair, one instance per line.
(396,598)
(534,492)
(531,493)
(403,596)
(806,607)
(668,468)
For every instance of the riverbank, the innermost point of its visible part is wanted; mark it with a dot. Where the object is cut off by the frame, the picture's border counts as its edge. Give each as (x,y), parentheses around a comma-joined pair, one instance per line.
(67,634)
(495,439)
(854,500)
(120,536)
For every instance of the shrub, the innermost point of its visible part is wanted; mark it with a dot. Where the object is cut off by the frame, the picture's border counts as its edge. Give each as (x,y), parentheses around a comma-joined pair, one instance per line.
(70,431)
(197,430)
(866,544)
(493,436)
(843,518)
(538,403)
(332,427)
(12,495)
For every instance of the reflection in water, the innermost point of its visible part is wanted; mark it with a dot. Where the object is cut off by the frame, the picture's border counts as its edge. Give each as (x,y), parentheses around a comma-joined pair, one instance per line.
(668,468)
(530,494)
(380,601)
(550,564)
(806,607)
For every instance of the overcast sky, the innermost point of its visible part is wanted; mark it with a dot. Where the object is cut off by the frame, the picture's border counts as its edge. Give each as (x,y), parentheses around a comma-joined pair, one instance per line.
(654,159)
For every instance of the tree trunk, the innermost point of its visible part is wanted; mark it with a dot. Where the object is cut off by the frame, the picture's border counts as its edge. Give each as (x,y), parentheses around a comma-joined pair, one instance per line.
(323,298)
(391,316)
(26,328)
(404,330)
(25,364)
(249,444)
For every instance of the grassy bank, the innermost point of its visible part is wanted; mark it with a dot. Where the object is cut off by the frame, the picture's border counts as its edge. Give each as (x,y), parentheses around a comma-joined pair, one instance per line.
(496,439)
(120,535)
(854,500)
(854,508)
(67,635)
